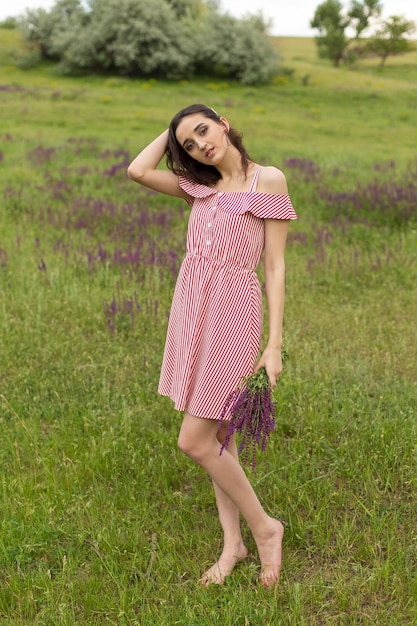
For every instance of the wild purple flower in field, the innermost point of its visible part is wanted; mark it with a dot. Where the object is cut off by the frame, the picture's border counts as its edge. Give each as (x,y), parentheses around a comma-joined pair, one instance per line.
(388,201)
(250,411)
(121,308)
(3,257)
(116,168)
(308,170)
(11,88)
(60,190)
(300,238)
(384,167)
(41,155)
(115,153)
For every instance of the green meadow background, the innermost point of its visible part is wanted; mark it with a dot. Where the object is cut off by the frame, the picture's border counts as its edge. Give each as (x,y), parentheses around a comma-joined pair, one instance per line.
(102,520)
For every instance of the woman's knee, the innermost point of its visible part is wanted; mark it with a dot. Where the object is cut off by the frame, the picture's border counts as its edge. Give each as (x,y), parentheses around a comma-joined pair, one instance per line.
(184,443)
(190,446)
(194,443)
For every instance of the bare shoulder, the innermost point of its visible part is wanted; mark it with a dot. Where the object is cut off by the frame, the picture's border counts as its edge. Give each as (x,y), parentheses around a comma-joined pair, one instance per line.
(272,180)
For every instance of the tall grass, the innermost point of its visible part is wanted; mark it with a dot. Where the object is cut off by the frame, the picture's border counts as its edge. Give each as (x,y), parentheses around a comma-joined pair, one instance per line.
(102,520)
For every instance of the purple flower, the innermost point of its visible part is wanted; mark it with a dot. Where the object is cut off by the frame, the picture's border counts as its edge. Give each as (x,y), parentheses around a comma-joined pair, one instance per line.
(250,411)
(3,257)
(11,88)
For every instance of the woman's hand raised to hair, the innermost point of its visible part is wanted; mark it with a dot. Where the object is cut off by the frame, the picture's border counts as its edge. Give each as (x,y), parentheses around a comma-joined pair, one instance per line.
(144,169)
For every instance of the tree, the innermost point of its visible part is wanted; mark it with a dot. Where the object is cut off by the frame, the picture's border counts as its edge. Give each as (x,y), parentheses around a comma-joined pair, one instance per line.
(40,27)
(9,23)
(192,8)
(129,37)
(391,38)
(361,14)
(163,38)
(235,48)
(332,23)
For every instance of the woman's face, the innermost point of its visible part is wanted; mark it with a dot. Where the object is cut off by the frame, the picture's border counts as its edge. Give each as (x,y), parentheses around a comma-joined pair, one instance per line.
(204,139)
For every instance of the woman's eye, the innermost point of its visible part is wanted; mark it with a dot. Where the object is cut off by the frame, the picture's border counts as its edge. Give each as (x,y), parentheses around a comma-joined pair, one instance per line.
(203,130)
(189,146)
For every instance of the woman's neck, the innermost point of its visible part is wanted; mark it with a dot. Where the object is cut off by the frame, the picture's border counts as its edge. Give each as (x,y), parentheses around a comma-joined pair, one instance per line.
(236,179)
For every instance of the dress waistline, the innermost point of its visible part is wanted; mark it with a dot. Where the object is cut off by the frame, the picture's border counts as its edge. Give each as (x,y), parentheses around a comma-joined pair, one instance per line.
(191,255)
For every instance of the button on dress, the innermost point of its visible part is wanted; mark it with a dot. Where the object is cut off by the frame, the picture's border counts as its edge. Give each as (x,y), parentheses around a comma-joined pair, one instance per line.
(215,324)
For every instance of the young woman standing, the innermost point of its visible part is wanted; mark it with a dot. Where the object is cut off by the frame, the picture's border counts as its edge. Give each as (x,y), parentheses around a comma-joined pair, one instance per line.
(239,210)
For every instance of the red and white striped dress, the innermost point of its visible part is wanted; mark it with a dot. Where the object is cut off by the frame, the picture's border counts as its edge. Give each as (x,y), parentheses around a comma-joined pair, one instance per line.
(215,324)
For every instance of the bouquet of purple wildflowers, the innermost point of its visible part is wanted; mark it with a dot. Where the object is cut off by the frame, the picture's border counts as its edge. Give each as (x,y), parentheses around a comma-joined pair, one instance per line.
(250,411)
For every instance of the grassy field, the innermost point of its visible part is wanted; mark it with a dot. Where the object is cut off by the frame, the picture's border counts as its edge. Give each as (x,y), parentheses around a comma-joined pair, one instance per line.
(103,521)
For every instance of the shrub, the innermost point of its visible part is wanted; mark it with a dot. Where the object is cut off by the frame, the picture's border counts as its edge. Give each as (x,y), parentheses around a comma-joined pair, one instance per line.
(129,37)
(235,48)
(45,28)
(160,38)
(9,23)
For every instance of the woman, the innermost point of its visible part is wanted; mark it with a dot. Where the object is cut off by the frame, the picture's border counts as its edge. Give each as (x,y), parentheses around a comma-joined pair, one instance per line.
(238,210)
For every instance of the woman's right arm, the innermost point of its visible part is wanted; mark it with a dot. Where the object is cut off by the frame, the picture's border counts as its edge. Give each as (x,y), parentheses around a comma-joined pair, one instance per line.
(144,169)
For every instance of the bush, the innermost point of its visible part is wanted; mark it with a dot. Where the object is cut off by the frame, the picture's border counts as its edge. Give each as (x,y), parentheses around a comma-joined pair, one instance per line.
(9,23)
(235,48)
(27,59)
(129,37)
(45,29)
(141,38)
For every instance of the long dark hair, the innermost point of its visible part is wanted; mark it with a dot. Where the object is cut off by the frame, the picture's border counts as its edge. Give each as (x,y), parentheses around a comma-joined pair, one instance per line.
(180,162)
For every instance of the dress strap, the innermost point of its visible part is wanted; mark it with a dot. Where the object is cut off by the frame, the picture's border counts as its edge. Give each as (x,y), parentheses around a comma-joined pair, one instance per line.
(255,180)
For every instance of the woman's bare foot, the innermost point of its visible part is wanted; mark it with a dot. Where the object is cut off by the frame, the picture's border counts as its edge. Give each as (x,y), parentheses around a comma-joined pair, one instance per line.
(270,553)
(224,566)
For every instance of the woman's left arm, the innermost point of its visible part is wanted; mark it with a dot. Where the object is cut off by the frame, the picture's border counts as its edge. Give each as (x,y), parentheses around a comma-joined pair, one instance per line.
(275,241)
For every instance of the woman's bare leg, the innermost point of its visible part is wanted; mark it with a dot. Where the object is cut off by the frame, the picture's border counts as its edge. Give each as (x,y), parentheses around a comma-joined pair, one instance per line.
(234,549)
(198,439)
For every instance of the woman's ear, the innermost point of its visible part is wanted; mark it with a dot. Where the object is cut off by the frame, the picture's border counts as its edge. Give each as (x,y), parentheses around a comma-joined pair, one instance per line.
(225,123)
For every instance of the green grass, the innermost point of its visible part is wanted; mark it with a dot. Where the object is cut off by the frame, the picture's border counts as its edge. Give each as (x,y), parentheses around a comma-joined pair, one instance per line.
(103,521)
